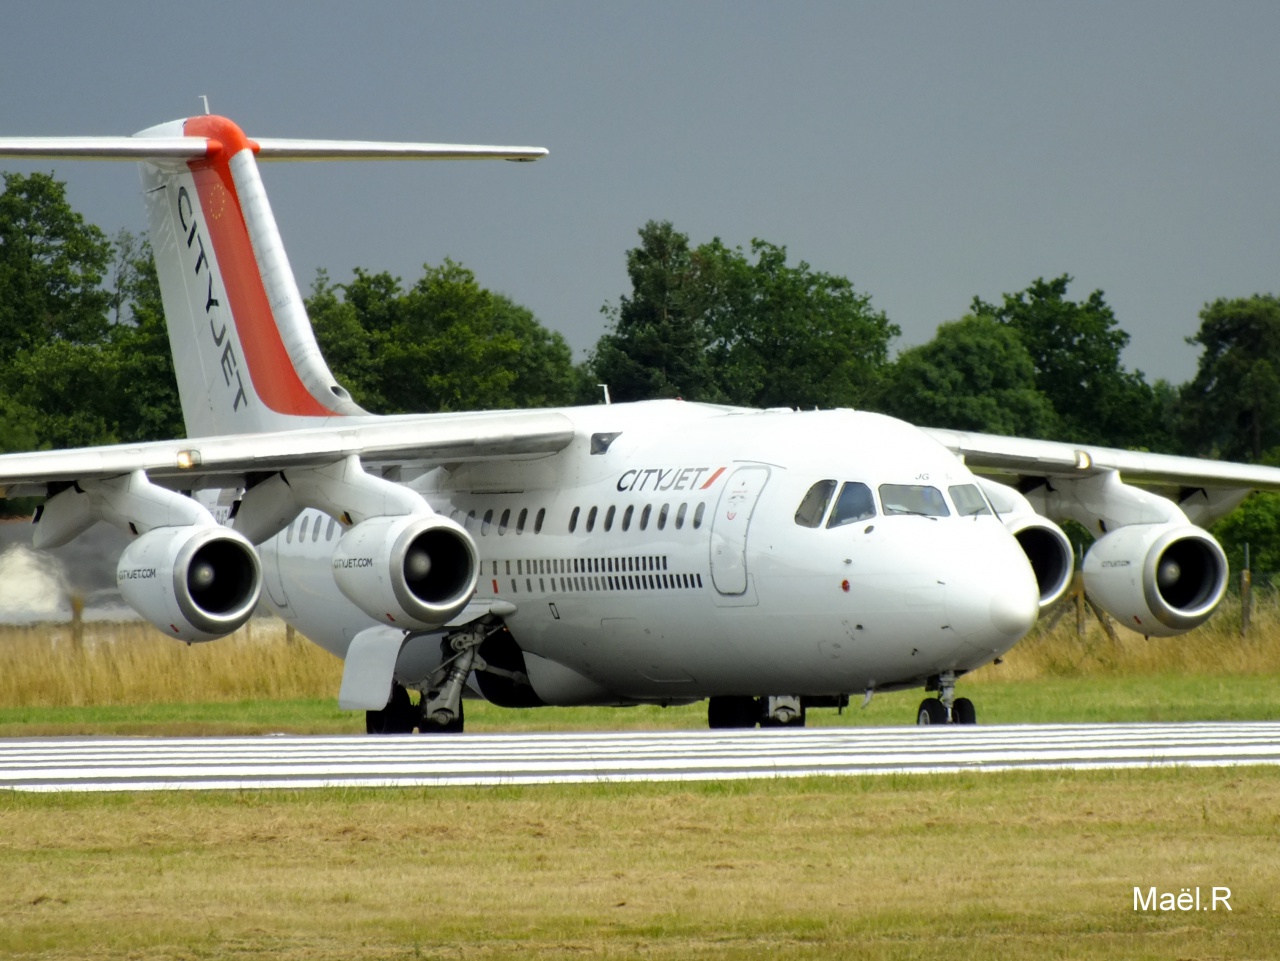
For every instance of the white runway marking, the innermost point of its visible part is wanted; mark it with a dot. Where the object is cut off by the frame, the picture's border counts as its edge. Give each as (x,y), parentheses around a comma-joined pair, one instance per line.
(250,763)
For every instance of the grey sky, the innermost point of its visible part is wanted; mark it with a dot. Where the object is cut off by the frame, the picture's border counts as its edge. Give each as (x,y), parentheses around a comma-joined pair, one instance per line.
(929,151)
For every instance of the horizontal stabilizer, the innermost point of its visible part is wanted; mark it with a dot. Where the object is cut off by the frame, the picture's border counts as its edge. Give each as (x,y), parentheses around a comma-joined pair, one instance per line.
(105,148)
(273,148)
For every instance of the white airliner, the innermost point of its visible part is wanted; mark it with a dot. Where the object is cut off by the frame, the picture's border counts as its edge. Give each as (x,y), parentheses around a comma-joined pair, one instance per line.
(660,552)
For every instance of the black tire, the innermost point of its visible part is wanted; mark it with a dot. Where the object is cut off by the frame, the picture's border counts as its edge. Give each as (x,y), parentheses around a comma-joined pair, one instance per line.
(733,712)
(931,712)
(963,711)
(400,716)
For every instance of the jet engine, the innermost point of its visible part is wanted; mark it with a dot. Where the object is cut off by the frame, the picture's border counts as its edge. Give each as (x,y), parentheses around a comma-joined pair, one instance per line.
(196,583)
(1049,552)
(416,571)
(1158,579)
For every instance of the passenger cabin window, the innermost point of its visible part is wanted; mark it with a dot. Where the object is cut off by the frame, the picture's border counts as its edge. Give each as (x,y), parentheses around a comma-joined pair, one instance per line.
(626,517)
(520,519)
(855,503)
(913,499)
(573,519)
(541,516)
(608,518)
(591,520)
(814,506)
(644,517)
(698,514)
(485,524)
(504,521)
(968,500)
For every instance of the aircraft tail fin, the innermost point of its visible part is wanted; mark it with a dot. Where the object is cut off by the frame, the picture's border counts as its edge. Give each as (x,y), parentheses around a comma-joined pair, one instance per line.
(244,350)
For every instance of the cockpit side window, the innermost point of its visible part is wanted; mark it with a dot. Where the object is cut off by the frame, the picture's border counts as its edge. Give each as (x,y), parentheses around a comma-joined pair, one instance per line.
(855,503)
(969,500)
(913,499)
(814,506)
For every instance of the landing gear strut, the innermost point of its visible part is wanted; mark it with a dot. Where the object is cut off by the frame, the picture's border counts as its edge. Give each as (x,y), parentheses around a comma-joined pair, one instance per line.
(740,711)
(946,708)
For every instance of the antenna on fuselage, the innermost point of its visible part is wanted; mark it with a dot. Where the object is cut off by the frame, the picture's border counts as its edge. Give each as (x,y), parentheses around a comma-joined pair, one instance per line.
(205,98)
(605,388)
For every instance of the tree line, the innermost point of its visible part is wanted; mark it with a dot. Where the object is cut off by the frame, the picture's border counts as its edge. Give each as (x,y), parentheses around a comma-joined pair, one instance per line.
(84,353)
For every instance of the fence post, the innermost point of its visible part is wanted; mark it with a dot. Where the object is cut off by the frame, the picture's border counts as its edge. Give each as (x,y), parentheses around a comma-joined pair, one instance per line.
(1246,595)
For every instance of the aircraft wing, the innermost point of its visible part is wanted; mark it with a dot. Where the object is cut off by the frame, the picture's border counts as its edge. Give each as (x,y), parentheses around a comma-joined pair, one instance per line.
(1020,457)
(195,462)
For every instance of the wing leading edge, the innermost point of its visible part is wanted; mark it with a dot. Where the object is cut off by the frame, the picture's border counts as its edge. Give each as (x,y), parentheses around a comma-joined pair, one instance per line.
(1019,456)
(429,439)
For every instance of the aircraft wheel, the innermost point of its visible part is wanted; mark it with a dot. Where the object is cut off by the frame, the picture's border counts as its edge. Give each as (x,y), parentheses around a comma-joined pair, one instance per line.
(797,721)
(400,716)
(453,727)
(931,712)
(963,712)
(733,712)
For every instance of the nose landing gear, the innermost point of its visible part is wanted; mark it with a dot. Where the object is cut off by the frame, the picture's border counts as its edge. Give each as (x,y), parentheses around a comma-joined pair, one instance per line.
(946,708)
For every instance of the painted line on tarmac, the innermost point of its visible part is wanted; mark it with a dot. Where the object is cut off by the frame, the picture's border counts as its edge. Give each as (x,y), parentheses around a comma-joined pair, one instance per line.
(282,761)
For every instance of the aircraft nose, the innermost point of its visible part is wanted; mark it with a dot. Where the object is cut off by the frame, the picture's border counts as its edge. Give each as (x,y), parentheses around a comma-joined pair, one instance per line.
(994,607)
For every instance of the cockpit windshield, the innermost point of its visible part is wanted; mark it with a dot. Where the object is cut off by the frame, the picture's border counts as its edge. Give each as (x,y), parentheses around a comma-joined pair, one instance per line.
(855,503)
(968,500)
(814,506)
(913,499)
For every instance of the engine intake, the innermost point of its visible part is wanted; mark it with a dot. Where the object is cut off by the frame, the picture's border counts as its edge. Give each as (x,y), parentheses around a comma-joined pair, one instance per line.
(1049,552)
(416,571)
(1158,579)
(195,583)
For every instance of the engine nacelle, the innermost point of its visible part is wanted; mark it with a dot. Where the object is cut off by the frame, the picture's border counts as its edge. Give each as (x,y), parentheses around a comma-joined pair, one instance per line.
(416,571)
(1157,579)
(195,583)
(1049,551)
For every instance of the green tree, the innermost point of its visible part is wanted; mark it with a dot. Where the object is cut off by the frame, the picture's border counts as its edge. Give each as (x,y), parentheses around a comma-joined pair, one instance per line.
(85,359)
(717,324)
(52,266)
(1232,407)
(117,386)
(974,375)
(1075,349)
(1255,523)
(445,344)
(660,337)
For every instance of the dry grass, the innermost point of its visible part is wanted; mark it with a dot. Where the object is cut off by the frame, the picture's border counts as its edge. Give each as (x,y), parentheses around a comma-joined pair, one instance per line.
(47,665)
(1216,648)
(1023,865)
(131,663)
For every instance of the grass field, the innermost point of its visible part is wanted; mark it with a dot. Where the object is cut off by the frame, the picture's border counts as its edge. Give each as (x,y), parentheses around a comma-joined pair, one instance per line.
(130,679)
(1020,865)
(1024,865)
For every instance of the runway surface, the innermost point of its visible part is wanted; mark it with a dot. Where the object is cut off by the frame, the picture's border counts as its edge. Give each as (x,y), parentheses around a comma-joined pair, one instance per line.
(280,761)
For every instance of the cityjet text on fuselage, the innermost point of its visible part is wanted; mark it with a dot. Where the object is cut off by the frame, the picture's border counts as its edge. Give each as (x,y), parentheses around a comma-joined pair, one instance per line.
(640,479)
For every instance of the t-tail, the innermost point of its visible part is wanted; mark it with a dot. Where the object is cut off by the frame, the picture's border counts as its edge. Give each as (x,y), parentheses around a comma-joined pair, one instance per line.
(244,350)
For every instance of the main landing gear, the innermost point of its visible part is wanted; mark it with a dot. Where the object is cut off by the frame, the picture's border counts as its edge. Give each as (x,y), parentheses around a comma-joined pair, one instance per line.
(946,708)
(439,711)
(402,716)
(736,711)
